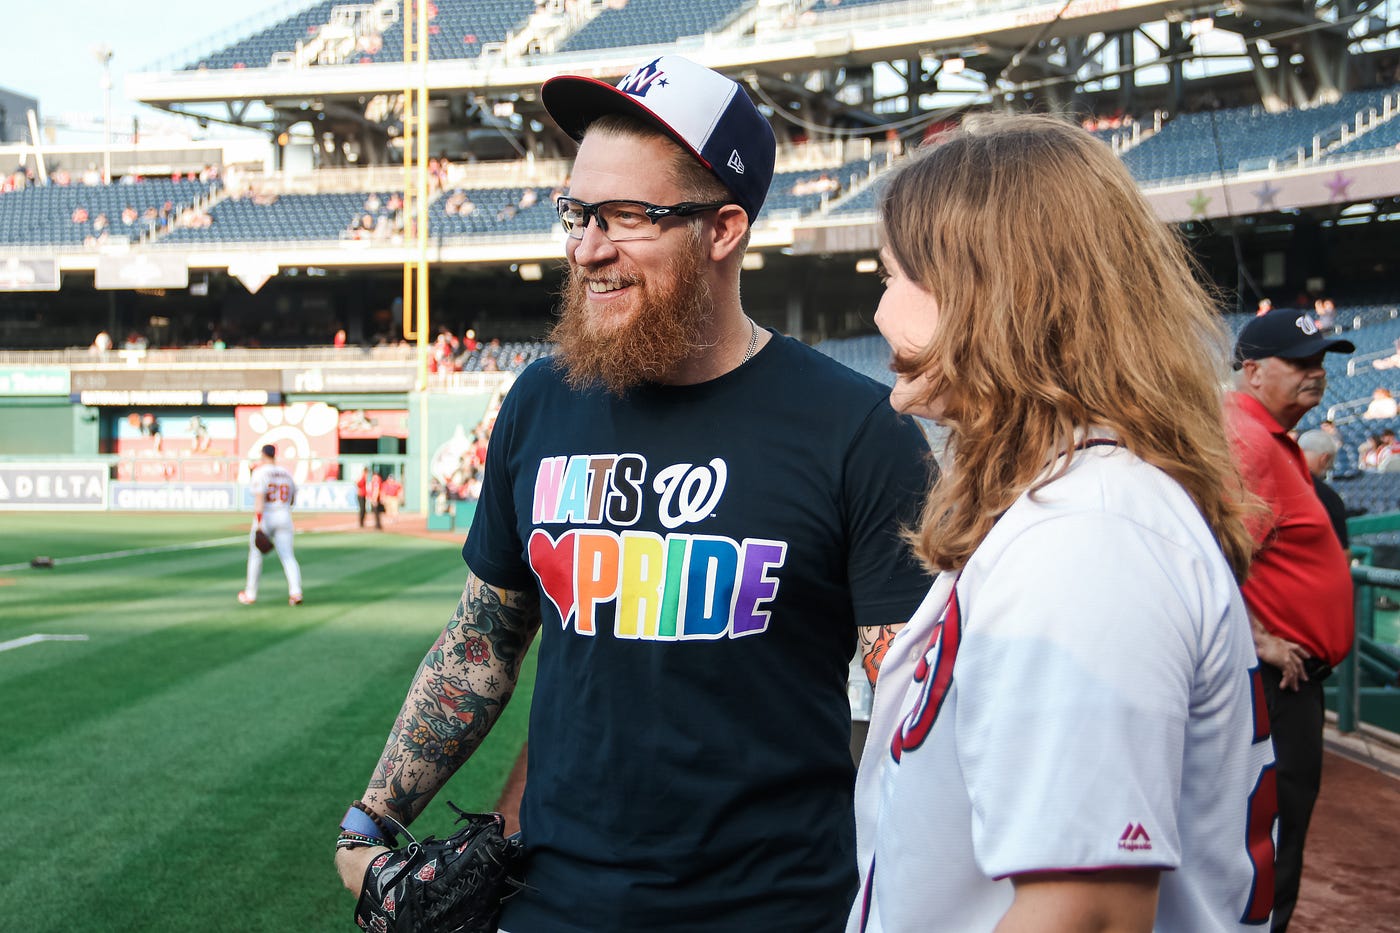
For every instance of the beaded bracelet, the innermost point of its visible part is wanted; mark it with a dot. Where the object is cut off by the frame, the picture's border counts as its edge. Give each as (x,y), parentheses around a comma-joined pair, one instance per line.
(349,840)
(378,820)
(360,821)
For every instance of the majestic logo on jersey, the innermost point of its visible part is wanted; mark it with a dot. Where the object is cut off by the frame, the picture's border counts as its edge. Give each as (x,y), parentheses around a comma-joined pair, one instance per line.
(933,675)
(1134,839)
(677,586)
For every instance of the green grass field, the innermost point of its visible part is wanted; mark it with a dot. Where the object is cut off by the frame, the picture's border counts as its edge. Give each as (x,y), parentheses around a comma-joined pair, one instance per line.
(185,768)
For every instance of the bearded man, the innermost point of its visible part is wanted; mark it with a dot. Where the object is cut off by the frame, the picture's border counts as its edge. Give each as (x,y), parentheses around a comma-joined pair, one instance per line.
(700,517)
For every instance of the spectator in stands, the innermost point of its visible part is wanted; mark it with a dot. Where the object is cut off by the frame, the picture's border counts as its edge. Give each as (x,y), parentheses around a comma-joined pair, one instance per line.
(100,224)
(507,212)
(1325,313)
(1264,307)
(1299,587)
(129,215)
(91,176)
(1382,404)
(79,215)
(1320,451)
(1388,453)
(102,343)
(469,344)
(656,354)
(61,178)
(528,198)
(395,202)
(1368,453)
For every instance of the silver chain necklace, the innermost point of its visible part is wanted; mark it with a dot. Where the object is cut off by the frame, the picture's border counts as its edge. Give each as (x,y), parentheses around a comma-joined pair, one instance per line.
(753,342)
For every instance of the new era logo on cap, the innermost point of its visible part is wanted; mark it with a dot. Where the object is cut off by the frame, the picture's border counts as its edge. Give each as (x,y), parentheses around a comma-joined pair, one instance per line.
(709,115)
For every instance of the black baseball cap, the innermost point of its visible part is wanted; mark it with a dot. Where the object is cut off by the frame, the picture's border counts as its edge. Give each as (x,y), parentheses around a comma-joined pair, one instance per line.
(707,114)
(1288,335)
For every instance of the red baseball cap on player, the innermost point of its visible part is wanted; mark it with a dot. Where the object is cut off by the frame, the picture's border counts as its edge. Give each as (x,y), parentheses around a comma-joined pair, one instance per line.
(710,116)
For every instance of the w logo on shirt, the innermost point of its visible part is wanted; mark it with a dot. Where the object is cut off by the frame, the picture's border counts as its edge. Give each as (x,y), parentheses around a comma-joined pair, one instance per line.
(933,676)
(640,81)
(1135,839)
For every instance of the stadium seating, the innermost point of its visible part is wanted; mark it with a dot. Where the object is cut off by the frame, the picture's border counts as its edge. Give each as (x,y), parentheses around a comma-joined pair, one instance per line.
(1249,137)
(44,215)
(456,29)
(802,191)
(256,51)
(651,22)
(1385,136)
(290,217)
(496,211)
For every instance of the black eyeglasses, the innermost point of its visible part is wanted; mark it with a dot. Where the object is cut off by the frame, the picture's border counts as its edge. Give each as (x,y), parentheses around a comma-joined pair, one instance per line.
(625,220)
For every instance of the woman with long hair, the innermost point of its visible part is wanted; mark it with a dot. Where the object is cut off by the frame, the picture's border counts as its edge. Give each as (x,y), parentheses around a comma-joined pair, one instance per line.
(1066,735)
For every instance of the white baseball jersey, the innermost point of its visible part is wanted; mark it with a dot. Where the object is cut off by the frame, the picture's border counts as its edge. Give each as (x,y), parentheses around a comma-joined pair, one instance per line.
(279,490)
(1083,696)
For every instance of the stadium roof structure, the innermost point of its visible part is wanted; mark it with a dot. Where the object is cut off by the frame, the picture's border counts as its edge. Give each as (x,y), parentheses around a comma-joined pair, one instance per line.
(795,54)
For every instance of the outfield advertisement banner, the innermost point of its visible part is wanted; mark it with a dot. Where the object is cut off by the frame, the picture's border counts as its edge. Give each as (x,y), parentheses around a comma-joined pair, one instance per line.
(174,497)
(69,486)
(34,380)
(223,497)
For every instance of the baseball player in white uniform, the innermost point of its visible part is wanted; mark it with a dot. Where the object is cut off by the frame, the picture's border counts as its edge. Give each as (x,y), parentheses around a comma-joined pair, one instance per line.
(274,491)
(1070,734)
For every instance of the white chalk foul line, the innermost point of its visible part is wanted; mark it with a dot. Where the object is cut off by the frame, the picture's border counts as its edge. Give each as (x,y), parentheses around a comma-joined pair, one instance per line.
(135,552)
(35,639)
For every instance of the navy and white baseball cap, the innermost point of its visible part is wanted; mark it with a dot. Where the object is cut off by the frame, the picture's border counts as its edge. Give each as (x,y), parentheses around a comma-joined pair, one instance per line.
(1286,334)
(709,115)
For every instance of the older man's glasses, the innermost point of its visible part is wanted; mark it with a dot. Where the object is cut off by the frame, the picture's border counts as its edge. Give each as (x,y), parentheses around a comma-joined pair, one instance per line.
(625,220)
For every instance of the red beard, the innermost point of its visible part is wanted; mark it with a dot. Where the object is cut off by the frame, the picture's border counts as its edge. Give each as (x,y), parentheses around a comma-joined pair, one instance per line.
(667,324)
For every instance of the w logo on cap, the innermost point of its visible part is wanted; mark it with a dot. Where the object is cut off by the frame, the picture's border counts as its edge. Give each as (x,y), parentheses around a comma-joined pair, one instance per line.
(1306,324)
(639,82)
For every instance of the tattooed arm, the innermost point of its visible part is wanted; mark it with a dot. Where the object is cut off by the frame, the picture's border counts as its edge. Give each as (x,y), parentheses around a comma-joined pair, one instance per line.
(874,642)
(464,682)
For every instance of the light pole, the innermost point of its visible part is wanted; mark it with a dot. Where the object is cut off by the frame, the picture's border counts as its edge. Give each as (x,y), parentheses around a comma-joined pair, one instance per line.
(103,53)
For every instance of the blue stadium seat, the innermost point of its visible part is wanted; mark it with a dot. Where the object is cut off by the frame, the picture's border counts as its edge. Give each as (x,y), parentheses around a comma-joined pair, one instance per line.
(652,22)
(44,214)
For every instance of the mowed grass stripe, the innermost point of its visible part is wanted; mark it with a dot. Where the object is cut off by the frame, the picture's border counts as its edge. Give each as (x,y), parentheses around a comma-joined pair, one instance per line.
(138,657)
(26,535)
(223,791)
(206,581)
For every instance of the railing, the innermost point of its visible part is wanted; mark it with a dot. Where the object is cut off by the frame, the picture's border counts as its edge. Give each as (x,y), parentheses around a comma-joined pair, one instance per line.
(1369,659)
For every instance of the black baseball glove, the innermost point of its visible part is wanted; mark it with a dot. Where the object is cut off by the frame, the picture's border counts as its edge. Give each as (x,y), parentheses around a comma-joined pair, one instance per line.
(452,885)
(261,541)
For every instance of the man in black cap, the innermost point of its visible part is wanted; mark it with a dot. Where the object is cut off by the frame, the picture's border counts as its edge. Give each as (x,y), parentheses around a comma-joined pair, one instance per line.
(1298,591)
(697,515)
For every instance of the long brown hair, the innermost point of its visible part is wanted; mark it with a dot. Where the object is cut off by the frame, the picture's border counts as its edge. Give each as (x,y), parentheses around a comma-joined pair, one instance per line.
(1064,304)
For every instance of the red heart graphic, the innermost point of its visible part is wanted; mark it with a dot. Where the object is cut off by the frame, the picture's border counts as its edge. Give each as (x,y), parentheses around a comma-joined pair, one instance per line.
(553,563)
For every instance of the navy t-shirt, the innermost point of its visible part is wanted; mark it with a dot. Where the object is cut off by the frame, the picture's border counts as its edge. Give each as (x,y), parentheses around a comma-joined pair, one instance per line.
(703,555)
